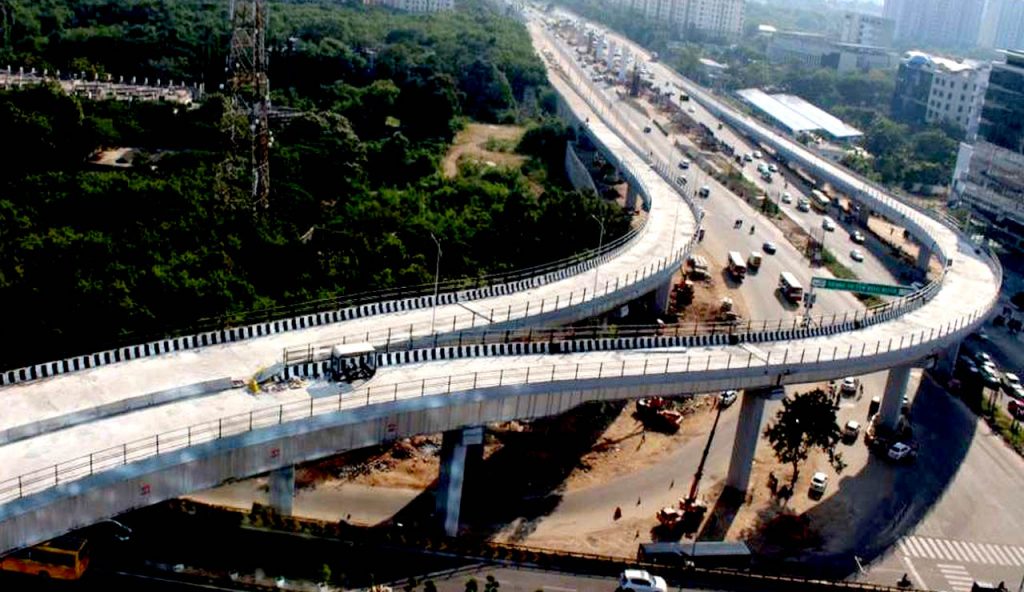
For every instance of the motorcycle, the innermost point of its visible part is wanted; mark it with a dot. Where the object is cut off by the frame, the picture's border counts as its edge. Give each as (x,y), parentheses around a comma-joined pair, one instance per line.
(738,224)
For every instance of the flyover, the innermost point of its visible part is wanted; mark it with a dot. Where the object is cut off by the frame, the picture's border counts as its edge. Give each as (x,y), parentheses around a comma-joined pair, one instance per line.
(51,483)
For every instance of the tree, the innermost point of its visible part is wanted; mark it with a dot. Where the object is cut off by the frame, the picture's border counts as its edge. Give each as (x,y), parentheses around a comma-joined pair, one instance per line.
(471,585)
(806,422)
(492,584)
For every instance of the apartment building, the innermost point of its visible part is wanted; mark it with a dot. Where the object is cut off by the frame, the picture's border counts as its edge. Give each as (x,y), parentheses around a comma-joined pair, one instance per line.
(934,89)
(866,29)
(716,17)
(989,174)
(941,23)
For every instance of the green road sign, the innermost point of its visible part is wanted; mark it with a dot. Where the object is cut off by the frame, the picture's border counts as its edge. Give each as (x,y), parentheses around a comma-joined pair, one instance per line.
(861,287)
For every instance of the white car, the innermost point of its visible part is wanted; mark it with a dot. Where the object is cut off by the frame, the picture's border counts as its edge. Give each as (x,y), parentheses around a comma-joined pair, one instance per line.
(786,197)
(639,580)
(773,168)
(819,482)
(851,430)
(726,398)
(848,386)
(899,451)
(747,157)
(828,225)
(857,255)
(757,154)
(857,237)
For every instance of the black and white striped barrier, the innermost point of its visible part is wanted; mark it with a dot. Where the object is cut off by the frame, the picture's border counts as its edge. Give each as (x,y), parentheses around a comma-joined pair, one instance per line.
(321,368)
(190,342)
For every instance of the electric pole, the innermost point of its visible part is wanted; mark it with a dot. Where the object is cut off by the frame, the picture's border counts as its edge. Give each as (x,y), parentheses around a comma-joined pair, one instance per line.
(250,90)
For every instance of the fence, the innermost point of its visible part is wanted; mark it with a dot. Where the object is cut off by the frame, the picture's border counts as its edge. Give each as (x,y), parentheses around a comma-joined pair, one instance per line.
(684,367)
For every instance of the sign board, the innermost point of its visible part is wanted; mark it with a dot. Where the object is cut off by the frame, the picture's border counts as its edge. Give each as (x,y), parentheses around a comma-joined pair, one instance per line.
(860,287)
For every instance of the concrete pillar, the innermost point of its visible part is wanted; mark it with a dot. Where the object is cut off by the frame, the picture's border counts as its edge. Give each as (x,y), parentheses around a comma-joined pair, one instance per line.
(662,296)
(864,215)
(458,448)
(282,490)
(945,361)
(748,431)
(924,256)
(892,398)
(631,194)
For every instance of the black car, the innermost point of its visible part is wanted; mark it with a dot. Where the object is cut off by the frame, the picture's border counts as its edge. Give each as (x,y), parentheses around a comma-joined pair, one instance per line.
(769,247)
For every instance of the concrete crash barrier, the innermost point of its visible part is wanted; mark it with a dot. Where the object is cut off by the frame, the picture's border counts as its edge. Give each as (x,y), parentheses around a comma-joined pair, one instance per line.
(68,420)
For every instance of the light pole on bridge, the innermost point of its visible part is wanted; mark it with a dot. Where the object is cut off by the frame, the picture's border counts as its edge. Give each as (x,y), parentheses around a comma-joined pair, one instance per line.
(597,266)
(437,277)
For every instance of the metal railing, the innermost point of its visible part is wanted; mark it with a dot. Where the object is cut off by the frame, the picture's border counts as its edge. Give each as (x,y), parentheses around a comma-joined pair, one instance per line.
(391,340)
(685,365)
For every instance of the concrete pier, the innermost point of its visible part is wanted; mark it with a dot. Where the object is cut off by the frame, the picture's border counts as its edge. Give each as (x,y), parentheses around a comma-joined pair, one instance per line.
(459,448)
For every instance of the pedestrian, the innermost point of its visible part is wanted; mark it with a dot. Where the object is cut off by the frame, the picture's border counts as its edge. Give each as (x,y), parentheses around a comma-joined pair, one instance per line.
(643,436)
(638,501)
(672,484)
(617,514)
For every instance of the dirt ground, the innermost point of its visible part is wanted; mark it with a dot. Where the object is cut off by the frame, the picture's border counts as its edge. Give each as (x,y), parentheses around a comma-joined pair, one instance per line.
(708,294)
(471,144)
(892,235)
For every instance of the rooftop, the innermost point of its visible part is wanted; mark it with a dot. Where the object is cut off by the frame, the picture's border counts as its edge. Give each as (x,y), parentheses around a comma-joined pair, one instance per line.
(797,115)
(920,58)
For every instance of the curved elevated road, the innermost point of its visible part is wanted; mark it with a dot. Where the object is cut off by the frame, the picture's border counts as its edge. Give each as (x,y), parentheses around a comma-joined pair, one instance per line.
(47,486)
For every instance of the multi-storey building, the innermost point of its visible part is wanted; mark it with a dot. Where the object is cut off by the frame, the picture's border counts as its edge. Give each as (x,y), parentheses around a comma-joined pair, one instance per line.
(943,23)
(717,17)
(933,89)
(423,6)
(865,29)
(814,50)
(989,174)
(1002,26)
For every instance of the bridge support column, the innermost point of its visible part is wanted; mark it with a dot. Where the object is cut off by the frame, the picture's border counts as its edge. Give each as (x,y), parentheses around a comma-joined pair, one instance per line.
(662,296)
(748,430)
(458,447)
(892,398)
(631,195)
(945,362)
(924,257)
(282,490)
(864,215)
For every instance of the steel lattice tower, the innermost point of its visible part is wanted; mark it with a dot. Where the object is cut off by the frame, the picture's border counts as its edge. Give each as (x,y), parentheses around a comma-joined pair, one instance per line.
(250,88)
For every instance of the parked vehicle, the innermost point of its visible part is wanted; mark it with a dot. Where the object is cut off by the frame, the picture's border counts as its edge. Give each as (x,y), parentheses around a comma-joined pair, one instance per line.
(786,197)
(901,452)
(757,154)
(819,483)
(684,164)
(747,157)
(828,225)
(857,237)
(857,255)
(804,205)
(766,176)
(1011,382)
(849,386)
(850,431)
(772,168)
(647,129)
(726,398)
(1016,408)
(704,191)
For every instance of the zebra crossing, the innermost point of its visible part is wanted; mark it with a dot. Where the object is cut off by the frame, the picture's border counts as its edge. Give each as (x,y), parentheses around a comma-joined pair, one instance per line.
(957,576)
(961,551)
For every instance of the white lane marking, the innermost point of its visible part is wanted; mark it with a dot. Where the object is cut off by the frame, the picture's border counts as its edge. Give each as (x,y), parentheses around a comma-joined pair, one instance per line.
(916,546)
(1018,554)
(934,548)
(559,589)
(950,567)
(962,546)
(948,549)
(902,544)
(913,573)
(1003,559)
(983,553)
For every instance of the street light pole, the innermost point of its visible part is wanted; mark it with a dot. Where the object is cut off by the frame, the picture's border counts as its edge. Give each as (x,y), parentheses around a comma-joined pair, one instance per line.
(597,268)
(437,277)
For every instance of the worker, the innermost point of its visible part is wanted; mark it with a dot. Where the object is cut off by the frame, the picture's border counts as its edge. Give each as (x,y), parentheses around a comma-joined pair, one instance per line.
(617,514)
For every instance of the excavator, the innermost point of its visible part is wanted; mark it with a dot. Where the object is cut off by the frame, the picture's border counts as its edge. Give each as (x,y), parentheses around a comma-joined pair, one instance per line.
(688,516)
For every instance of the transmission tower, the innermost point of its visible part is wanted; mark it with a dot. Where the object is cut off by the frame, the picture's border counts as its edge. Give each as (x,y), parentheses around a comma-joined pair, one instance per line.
(250,89)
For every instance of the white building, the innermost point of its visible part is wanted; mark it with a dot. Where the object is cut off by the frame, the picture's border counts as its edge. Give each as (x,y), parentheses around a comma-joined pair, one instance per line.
(716,17)
(813,50)
(934,89)
(941,23)
(421,6)
(866,29)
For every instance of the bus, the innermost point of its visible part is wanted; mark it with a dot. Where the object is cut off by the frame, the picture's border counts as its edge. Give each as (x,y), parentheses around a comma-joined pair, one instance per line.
(819,200)
(737,267)
(790,287)
(63,558)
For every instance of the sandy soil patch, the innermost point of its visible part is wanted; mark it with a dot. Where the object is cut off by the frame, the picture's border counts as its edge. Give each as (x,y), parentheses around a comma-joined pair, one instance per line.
(484,143)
